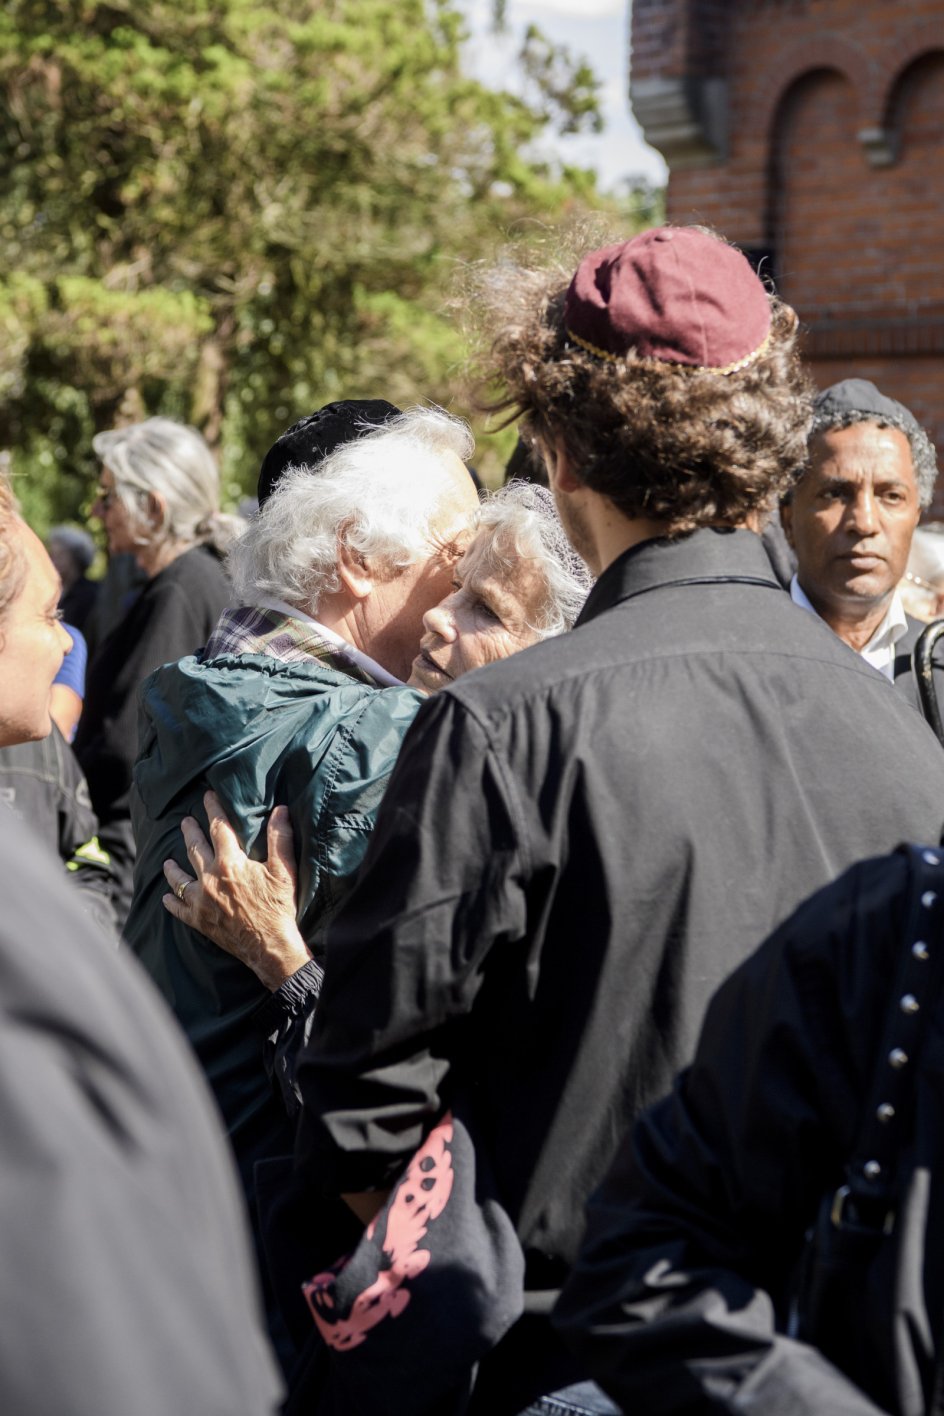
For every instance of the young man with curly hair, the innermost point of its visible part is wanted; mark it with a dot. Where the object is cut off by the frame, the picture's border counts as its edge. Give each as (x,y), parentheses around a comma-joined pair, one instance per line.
(578,844)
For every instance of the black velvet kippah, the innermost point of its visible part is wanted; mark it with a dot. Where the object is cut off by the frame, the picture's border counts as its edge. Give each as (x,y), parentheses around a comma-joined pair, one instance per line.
(311,439)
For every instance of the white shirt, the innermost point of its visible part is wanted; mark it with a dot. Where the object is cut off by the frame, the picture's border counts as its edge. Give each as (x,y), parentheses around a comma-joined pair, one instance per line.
(345,650)
(880,650)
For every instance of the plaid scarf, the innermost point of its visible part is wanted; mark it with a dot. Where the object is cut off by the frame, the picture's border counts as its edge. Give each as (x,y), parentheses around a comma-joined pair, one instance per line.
(250,630)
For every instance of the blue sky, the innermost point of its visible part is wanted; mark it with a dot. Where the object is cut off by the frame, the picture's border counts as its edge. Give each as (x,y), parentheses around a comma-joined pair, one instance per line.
(598,30)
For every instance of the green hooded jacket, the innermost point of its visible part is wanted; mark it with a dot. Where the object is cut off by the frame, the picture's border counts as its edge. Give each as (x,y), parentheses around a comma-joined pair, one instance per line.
(261,733)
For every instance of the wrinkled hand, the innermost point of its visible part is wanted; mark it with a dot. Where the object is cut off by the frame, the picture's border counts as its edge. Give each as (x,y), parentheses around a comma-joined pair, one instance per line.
(246,907)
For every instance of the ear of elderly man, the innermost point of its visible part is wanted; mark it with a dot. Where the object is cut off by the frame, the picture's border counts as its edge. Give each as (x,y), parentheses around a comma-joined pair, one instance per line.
(850,520)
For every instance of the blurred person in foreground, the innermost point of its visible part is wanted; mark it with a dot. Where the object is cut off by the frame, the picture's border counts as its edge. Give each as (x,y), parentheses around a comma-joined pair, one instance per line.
(578,843)
(128,1285)
(851,518)
(158,499)
(40,780)
(33,639)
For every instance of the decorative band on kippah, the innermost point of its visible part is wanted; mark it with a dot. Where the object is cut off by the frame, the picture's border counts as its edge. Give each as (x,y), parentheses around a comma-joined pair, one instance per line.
(676,363)
(591,348)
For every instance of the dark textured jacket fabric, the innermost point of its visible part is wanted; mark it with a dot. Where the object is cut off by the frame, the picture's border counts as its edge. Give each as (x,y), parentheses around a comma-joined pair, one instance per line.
(173,616)
(78,601)
(681,1293)
(127,1280)
(577,846)
(42,783)
(261,733)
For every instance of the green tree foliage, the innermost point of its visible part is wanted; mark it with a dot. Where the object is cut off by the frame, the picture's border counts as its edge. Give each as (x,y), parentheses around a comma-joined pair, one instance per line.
(231,212)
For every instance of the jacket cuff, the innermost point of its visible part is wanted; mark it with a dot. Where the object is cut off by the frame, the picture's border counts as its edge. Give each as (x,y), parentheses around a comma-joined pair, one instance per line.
(291,1000)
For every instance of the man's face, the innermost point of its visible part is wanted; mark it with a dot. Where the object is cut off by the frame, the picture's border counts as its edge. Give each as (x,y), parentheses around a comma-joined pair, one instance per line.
(484,618)
(395,609)
(33,644)
(852,518)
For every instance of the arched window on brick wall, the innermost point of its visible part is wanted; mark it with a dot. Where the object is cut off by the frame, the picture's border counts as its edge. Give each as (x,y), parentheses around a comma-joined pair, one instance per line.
(914,184)
(817,226)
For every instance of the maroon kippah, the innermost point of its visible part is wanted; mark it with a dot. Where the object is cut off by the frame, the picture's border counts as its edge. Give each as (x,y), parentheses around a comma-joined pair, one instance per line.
(673,294)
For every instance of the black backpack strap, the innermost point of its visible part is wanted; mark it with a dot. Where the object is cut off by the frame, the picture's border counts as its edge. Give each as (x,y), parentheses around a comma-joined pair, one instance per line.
(868,1199)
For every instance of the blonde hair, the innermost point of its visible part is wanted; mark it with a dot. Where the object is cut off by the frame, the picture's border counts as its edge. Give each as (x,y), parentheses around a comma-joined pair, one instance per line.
(12,562)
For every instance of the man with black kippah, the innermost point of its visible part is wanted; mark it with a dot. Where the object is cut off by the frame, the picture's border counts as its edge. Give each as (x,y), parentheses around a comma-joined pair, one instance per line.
(579,843)
(850,520)
(299,699)
(314,437)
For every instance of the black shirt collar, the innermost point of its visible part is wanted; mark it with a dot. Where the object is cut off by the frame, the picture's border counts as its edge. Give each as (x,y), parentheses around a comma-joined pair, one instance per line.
(714,553)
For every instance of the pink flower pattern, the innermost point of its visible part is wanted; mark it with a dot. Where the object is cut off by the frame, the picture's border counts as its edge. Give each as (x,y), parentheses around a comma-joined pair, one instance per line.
(419,1198)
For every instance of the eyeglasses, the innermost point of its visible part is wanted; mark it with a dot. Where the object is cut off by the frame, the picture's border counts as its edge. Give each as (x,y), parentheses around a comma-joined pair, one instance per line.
(105,496)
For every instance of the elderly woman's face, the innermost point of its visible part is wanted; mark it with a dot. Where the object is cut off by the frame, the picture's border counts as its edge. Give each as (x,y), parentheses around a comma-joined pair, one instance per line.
(33,644)
(486,617)
(112,513)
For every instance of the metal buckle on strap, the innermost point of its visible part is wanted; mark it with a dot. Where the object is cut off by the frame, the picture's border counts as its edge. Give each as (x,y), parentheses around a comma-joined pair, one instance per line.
(842,1220)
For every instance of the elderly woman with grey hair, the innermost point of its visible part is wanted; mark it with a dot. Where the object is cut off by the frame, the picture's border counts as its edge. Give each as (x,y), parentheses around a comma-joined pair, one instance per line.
(517,582)
(159,499)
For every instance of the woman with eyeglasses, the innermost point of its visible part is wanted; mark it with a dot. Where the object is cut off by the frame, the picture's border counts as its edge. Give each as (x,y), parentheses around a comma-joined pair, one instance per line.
(158,498)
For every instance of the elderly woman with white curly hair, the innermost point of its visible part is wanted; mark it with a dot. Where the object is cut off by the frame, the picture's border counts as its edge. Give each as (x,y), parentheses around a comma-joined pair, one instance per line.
(517,582)
(159,499)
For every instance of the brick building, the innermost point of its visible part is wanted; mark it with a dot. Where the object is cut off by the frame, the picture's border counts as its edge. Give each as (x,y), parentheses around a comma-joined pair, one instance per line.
(811,132)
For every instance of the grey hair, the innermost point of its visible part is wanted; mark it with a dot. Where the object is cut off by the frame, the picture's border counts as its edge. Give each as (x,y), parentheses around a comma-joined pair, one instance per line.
(382,493)
(923,456)
(174,462)
(521,522)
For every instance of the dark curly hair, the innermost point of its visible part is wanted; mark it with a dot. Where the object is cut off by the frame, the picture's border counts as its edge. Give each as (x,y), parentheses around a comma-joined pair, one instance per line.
(12,562)
(661,441)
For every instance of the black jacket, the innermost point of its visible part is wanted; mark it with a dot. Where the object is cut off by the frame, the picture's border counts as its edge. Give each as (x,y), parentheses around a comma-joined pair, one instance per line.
(42,783)
(173,615)
(127,1284)
(681,1291)
(576,846)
